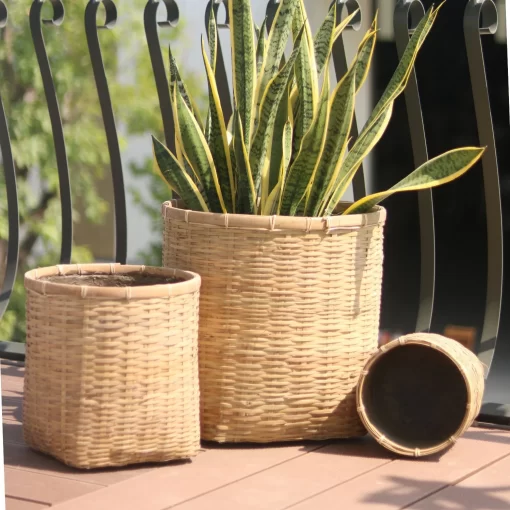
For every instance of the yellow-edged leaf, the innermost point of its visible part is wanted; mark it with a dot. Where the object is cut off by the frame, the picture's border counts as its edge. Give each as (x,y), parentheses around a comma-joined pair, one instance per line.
(436,172)
(246,195)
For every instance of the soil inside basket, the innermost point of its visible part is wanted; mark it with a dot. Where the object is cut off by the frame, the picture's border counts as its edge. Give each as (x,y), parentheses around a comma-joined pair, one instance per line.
(112,280)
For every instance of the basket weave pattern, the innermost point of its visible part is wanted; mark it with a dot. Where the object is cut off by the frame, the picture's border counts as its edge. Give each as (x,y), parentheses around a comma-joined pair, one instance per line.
(112,381)
(467,364)
(289,313)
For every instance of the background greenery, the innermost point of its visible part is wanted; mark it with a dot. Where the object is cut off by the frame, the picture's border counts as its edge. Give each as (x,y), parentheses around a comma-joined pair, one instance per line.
(136,108)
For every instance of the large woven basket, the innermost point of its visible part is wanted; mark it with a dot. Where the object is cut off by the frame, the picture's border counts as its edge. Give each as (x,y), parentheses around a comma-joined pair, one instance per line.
(418,394)
(112,372)
(289,313)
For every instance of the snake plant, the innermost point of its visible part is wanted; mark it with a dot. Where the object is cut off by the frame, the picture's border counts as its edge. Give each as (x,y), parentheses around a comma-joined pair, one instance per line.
(287,148)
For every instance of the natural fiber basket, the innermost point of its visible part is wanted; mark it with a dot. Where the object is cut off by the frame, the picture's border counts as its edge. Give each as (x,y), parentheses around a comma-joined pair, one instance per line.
(289,314)
(112,372)
(418,394)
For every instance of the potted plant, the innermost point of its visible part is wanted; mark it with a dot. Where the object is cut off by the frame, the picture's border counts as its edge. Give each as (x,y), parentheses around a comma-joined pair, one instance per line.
(111,364)
(291,275)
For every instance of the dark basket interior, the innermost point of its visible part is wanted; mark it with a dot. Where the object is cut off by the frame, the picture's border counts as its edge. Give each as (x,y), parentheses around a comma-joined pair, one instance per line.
(415,396)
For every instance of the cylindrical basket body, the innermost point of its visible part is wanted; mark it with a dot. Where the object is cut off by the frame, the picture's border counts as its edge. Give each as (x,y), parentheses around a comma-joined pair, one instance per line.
(289,314)
(112,372)
(418,394)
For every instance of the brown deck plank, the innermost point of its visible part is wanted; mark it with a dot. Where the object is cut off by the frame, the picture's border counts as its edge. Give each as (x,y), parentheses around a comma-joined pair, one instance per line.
(403,482)
(43,488)
(171,485)
(13,432)
(489,489)
(23,458)
(21,504)
(297,479)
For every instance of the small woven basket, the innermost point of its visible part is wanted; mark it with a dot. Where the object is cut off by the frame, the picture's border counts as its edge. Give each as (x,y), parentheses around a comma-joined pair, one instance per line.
(289,314)
(418,394)
(112,372)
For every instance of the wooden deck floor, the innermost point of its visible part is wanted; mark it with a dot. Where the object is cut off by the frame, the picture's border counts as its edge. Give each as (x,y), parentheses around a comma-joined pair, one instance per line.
(347,475)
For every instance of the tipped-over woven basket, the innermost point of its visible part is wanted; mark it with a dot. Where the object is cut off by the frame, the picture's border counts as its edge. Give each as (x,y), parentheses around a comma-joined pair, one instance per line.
(418,394)
(289,314)
(112,372)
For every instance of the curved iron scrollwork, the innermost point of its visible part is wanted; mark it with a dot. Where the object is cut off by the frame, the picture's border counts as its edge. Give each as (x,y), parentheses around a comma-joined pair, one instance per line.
(119,194)
(408,14)
(55,118)
(345,8)
(152,25)
(221,73)
(481,18)
(12,198)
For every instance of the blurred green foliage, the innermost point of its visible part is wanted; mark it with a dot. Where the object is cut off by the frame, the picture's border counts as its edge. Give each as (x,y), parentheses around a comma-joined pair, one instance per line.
(136,108)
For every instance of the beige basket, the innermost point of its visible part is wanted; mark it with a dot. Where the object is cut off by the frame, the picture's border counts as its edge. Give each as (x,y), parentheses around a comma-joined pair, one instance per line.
(289,314)
(112,372)
(420,393)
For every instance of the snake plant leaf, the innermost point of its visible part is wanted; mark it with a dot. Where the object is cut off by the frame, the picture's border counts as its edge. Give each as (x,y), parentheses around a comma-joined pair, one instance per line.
(198,154)
(268,111)
(379,119)
(275,47)
(212,38)
(218,143)
(340,121)
(365,54)
(175,77)
(176,177)
(363,145)
(246,195)
(305,72)
(286,156)
(435,172)
(261,45)
(302,172)
(243,62)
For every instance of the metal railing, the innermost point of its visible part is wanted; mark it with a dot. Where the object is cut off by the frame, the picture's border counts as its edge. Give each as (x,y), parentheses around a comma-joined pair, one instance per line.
(480,20)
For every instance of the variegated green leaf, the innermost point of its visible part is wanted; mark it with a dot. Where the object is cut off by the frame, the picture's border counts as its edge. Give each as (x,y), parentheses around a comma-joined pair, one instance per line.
(243,62)
(246,195)
(440,170)
(365,143)
(175,77)
(364,56)
(275,47)
(261,45)
(302,172)
(340,122)
(286,155)
(212,37)
(306,76)
(176,177)
(268,110)
(218,143)
(199,156)
(379,119)
(324,39)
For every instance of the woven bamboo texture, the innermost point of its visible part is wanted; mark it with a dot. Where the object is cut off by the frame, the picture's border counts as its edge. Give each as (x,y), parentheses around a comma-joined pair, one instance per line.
(289,314)
(112,372)
(455,383)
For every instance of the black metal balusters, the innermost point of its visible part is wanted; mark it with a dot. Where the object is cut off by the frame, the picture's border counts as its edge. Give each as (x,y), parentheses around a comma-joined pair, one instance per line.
(481,18)
(341,67)
(221,73)
(407,16)
(12,199)
(56,121)
(119,194)
(158,64)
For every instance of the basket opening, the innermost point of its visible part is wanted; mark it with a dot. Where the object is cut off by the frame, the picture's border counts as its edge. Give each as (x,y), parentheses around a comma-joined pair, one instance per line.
(415,396)
(113,280)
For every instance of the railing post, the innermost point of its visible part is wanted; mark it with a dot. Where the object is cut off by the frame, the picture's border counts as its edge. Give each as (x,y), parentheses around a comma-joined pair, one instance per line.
(119,194)
(407,16)
(56,121)
(152,25)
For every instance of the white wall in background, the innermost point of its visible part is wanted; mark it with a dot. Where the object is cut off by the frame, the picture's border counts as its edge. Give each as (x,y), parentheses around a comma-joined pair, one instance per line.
(140,231)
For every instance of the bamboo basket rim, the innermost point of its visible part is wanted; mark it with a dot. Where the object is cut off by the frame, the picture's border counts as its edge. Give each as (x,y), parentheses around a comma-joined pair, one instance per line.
(191,283)
(329,224)
(413,339)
